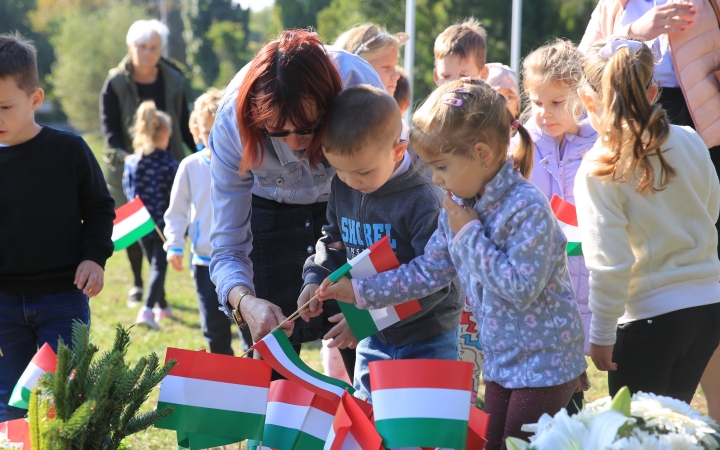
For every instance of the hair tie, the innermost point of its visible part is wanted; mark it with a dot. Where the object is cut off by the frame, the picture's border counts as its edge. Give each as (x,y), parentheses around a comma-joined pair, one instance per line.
(515,124)
(613,46)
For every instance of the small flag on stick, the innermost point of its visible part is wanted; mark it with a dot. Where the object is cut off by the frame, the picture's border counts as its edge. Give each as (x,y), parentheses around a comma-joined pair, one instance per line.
(352,428)
(132,222)
(296,419)
(421,402)
(196,441)
(567,217)
(377,258)
(276,350)
(44,360)
(216,395)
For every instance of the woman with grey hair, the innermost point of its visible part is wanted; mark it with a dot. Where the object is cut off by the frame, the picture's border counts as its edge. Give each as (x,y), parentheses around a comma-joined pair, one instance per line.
(142,75)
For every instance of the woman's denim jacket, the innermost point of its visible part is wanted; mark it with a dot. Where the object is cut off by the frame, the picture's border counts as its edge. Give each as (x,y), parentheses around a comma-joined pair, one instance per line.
(284,176)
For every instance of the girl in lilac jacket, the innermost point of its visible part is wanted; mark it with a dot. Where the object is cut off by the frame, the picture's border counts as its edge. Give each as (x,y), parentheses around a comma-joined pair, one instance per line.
(551,75)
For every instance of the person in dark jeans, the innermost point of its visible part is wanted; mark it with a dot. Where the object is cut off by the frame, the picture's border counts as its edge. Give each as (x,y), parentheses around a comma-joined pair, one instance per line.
(142,75)
(56,222)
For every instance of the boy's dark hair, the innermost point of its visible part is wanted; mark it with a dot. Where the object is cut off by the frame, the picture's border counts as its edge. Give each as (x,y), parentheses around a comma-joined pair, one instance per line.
(18,59)
(402,90)
(466,40)
(361,115)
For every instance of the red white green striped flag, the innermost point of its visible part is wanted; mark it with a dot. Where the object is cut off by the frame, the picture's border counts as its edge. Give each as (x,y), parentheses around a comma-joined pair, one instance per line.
(352,428)
(296,418)
(378,258)
(421,402)
(132,222)
(44,360)
(567,217)
(276,350)
(215,395)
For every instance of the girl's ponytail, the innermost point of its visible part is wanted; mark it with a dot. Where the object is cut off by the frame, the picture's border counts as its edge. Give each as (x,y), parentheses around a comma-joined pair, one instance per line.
(523,154)
(149,123)
(631,127)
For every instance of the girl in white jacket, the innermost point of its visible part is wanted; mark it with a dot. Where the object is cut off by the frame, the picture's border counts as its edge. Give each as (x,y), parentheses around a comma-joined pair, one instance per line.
(647,199)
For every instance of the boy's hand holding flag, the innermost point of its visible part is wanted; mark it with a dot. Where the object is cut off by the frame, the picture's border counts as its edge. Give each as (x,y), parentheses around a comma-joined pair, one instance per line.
(377,258)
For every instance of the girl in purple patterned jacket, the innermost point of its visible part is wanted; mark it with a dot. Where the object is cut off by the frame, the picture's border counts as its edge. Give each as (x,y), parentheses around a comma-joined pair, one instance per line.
(507,249)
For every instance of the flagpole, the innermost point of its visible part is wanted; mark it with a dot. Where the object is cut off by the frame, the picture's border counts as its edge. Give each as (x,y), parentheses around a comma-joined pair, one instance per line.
(160,233)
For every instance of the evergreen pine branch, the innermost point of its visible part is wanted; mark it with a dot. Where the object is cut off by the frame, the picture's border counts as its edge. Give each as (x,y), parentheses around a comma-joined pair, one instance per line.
(122,339)
(78,420)
(80,341)
(59,390)
(77,386)
(146,420)
(34,416)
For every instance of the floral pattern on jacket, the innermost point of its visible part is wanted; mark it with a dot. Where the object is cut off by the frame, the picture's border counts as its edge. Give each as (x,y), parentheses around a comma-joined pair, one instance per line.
(513,267)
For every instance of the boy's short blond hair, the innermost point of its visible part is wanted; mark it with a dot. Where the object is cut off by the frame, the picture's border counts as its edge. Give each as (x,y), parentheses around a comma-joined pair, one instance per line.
(362,115)
(466,40)
(207,104)
(369,41)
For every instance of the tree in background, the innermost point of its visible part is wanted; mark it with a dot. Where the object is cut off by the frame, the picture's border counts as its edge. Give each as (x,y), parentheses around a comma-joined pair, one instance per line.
(14,15)
(300,13)
(216,38)
(88,42)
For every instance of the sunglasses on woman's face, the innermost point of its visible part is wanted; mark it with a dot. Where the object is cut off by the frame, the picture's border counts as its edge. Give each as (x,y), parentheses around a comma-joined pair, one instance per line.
(285,133)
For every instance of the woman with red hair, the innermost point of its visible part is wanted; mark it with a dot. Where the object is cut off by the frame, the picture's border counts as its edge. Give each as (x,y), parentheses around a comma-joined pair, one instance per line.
(270,182)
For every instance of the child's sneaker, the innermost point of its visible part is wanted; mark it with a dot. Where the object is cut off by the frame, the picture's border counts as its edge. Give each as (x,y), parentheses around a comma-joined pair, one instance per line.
(134,296)
(145,317)
(162,313)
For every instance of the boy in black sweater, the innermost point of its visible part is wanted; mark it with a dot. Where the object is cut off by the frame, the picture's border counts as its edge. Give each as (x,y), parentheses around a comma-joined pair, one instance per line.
(56,221)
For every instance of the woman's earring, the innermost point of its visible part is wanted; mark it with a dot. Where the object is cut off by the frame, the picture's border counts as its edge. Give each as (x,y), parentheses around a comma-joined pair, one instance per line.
(485,167)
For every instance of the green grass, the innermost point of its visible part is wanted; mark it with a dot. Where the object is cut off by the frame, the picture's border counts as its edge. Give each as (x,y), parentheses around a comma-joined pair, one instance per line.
(183,331)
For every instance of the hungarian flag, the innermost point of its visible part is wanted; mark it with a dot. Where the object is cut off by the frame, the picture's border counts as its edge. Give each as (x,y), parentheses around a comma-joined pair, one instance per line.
(277,351)
(216,395)
(17,433)
(44,360)
(352,428)
(132,222)
(421,402)
(567,217)
(378,258)
(296,418)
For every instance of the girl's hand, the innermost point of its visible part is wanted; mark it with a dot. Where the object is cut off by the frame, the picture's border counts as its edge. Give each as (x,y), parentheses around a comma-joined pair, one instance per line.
(90,277)
(602,357)
(341,291)
(340,334)
(667,18)
(458,216)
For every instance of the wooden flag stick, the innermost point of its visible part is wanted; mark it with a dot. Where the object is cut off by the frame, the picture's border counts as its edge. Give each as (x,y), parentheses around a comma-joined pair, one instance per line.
(160,233)
(292,316)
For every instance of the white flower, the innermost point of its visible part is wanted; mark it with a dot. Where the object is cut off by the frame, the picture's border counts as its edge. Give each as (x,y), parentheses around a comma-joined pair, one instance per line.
(674,416)
(645,441)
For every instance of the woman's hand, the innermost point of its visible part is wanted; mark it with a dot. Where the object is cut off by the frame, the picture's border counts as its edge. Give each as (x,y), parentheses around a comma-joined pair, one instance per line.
(602,357)
(667,18)
(458,215)
(261,316)
(340,334)
(315,308)
(341,291)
